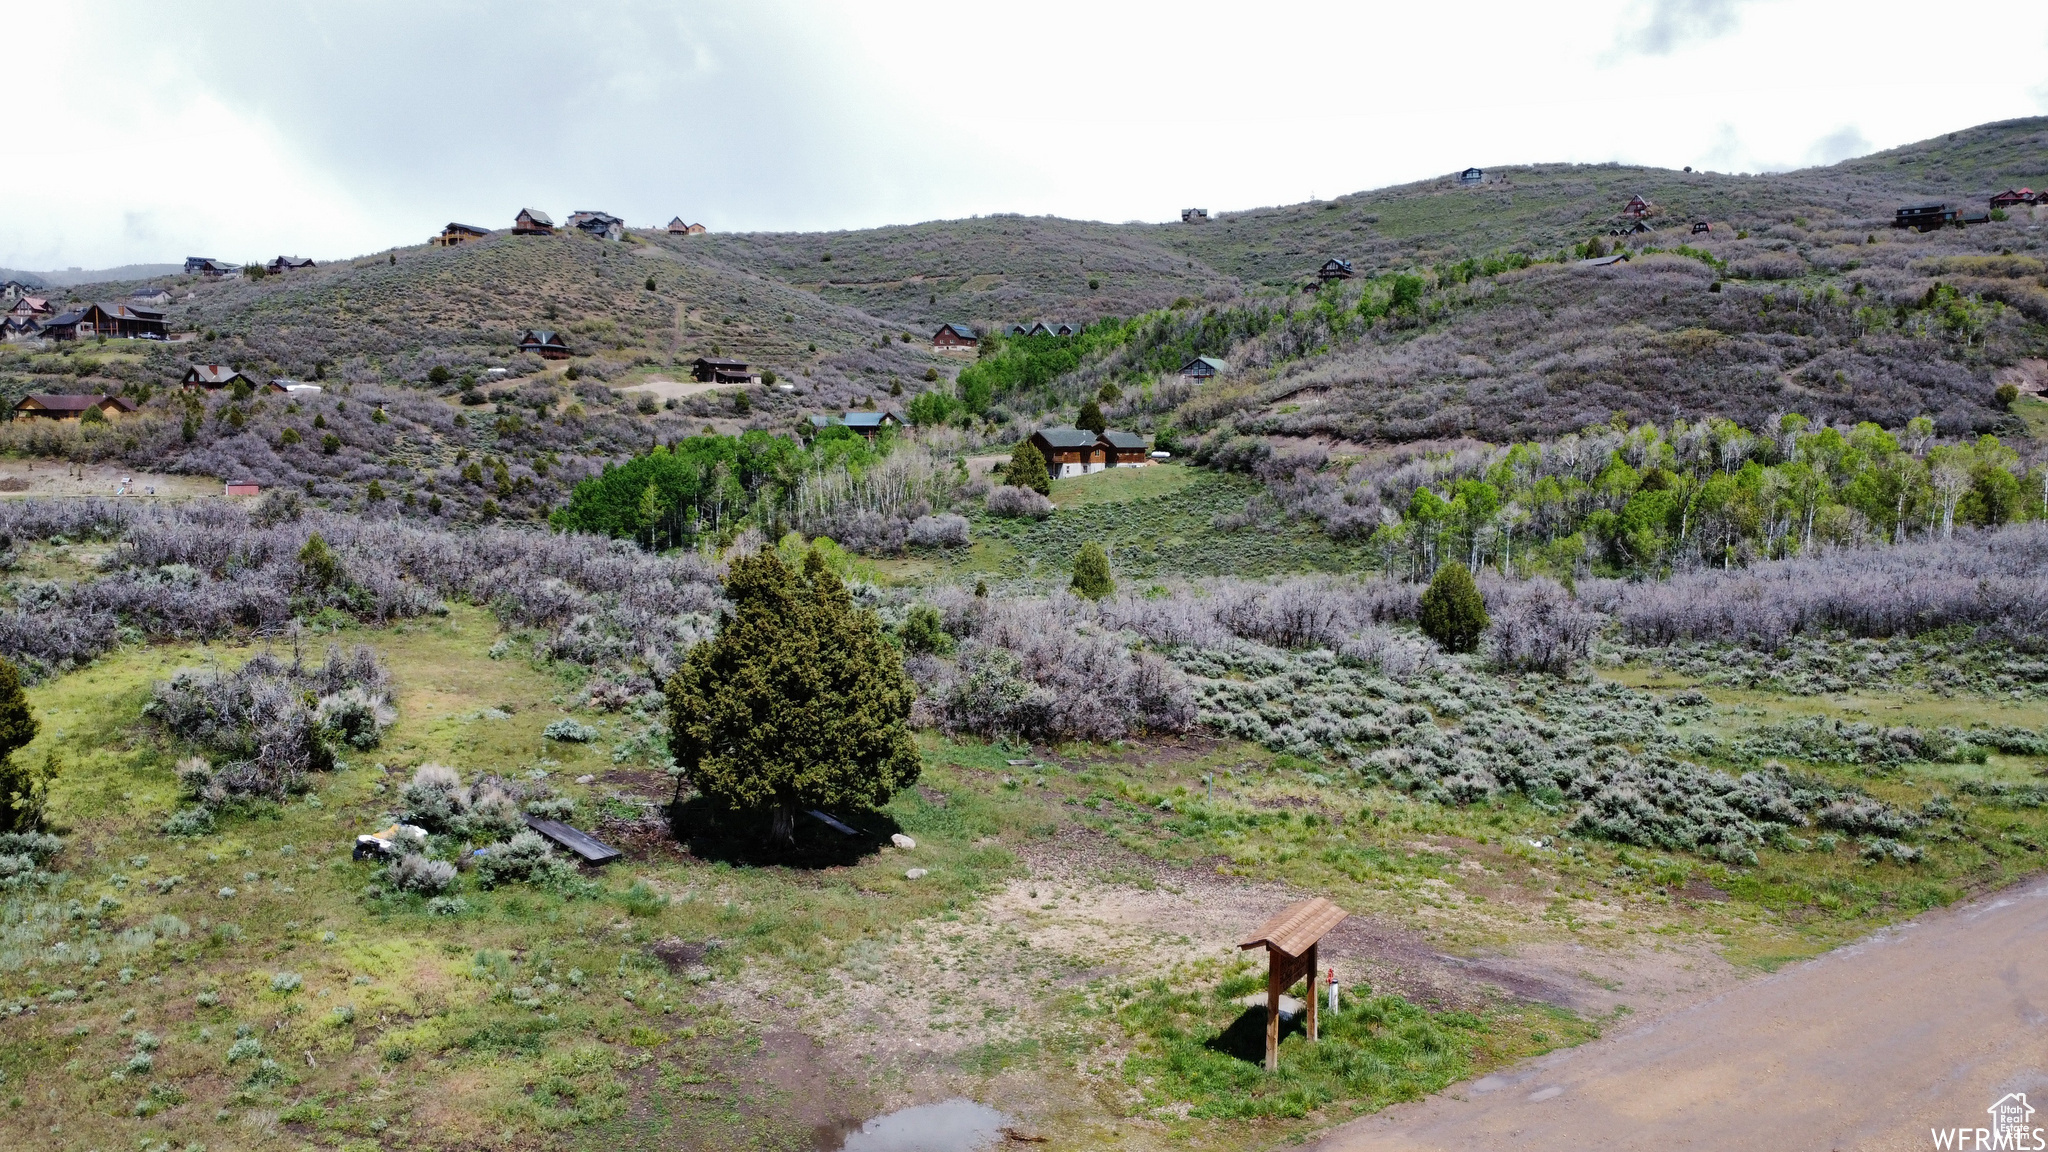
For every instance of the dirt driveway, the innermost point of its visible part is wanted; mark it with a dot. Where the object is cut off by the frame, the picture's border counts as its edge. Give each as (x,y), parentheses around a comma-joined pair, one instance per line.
(1869,1047)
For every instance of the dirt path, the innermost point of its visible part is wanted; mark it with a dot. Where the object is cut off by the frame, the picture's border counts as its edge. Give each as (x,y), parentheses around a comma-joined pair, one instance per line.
(1868,1047)
(25,477)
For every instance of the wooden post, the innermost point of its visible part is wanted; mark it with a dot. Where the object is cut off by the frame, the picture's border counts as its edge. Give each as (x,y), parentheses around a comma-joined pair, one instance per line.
(1273,977)
(1309,989)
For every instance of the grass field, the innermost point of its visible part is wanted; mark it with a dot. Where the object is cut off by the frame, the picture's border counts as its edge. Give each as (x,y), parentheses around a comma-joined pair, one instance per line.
(1068,955)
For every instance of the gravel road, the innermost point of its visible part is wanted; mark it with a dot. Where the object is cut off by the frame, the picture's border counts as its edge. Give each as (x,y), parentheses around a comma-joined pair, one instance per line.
(1922,1026)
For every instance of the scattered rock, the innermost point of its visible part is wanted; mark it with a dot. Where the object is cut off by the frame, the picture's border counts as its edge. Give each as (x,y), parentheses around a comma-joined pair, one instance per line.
(902,841)
(586,779)
(914,874)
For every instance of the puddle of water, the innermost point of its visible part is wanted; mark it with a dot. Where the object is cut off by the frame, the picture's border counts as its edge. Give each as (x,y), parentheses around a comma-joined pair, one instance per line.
(948,1126)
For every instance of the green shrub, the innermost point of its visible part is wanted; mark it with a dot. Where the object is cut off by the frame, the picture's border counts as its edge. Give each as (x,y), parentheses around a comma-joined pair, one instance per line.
(1452,612)
(1027,470)
(923,633)
(1091,572)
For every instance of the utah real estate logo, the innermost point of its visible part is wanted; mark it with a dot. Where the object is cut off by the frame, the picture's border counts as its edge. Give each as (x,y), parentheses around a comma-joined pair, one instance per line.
(2011,1130)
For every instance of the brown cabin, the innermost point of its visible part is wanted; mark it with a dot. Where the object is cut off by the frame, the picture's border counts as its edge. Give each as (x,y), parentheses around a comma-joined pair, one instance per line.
(1124,449)
(2014,197)
(48,407)
(1069,451)
(114,321)
(720,370)
(455,234)
(532,222)
(282,264)
(1636,206)
(1334,270)
(214,377)
(676,227)
(544,343)
(952,336)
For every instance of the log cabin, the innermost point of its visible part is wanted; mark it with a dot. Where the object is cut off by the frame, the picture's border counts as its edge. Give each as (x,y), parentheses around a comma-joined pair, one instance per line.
(1124,449)
(1203,368)
(47,407)
(1334,270)
(214,377)
(951,337)
(720,370)
(456,233)
(544,343)
(532,222)
(1069,451)
(281,264)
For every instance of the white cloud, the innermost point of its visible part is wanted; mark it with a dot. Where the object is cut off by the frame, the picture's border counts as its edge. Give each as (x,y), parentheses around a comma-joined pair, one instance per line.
(242,130)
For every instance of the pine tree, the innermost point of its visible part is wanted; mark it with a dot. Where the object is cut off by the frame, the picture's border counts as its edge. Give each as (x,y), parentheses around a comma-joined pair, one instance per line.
(799,702)
(322,568)
(22,789)
(1027,470)
(1091,572)
(1091,418)
(1453,613)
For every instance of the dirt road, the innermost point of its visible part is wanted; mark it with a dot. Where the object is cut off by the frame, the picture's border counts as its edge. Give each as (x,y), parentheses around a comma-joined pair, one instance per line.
(1867,1048)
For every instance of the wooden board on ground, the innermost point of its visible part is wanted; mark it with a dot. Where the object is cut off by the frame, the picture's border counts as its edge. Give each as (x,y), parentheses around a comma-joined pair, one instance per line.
(581,843)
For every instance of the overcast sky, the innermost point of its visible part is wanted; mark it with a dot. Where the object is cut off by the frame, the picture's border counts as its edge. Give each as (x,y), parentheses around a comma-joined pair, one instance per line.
(243,131)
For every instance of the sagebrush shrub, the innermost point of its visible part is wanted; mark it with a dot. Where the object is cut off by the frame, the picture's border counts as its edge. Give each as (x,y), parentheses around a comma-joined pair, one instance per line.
(412,872)
(1014,503)
(525,858)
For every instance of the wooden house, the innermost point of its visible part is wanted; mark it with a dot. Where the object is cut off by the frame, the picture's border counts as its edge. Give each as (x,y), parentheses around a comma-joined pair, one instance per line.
(214,377)
(544,343)
(532,222)
(676,227)
(208,267)
(1701,227)
(1041,328)
(1069,451)
(1924,217)
(150,297)
(869,424)
(2014,197)
(1636,207)
(1334,270)
(1203,368)
(279,265)
(1472,176)
(46,407)
(1632,228)
(955,336)
(1066,329)
(1194,215)
(720,370)
(602,225)
(31,308)
(113,321)
(455,234)
(1124,449)
(1015,330)
(13,328)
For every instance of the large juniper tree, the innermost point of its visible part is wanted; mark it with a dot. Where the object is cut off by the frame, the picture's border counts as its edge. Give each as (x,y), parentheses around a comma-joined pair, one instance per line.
(799,702)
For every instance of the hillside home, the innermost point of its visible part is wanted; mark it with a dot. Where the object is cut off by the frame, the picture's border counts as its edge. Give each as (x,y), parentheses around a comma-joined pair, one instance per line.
(208,267)
(602,225)
(1069,451)
(1194,215)
(1334,270)
(1636,206)
(31,308)
(532,222)
(1041,328)
(1604,261)
(214,377)
(13,328)
(455,234)
(279,265)
(1924,217)
(1700,226)
(1066,329)
(955,336)
(1203,368)
(1017,330)
(46,407)
(150,297)
(1124,449)
(2014,197)
(113,321)
(676,227)
(1632,228)
(544,343)
(869,424)
(198,264)
(720,370)
(1472,176)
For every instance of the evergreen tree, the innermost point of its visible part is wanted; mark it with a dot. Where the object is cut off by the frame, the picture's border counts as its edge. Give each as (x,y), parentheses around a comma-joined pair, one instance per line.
(1091,418)
(322,568)
(799,702)
(1027,470)
(1091,572)
(22,789)
(1453,613)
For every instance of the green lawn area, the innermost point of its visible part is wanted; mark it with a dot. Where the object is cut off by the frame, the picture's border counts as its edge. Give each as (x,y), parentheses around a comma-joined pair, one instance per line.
(1117,485)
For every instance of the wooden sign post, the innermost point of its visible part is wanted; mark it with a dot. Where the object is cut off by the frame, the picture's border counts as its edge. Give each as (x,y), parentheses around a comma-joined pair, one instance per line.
(1289,939)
